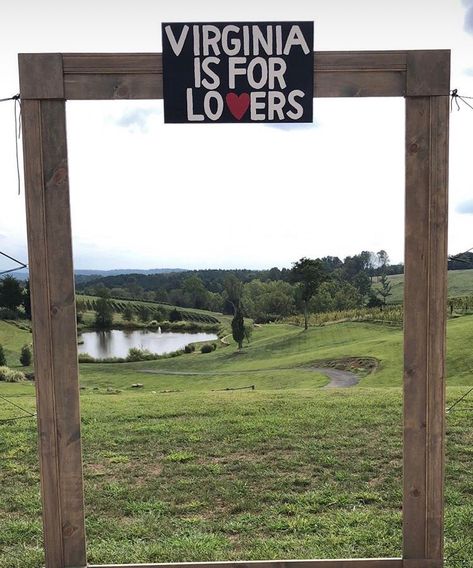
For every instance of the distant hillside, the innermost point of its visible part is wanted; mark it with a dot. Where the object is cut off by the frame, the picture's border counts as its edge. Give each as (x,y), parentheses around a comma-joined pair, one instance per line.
(85,275)
(460,283)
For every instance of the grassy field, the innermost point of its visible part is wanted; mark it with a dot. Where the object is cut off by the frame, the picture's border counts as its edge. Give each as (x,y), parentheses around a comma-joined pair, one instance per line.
(460,283)
(288,470)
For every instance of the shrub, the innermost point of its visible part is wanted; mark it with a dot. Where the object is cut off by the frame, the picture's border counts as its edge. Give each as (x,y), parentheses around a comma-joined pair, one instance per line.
(189,348)
(7,314)
(144,314)
(3,359)
(206,348)
(86,358)
(153,323)
(11,376)
(79,317)
(135,354)
(175,315)
(25,357)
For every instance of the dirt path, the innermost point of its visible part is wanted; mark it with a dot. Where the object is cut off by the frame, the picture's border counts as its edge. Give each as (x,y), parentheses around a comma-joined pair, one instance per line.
(338,379)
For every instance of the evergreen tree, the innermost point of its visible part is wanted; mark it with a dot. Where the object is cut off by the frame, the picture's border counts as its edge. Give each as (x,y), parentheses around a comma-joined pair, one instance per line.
(385,289)
(3,359)
(238,327)
(25,357)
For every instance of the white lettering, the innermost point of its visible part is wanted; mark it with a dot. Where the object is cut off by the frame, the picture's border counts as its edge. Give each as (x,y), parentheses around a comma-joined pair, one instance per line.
(277,68)
(210,41)
(207,108)
(276,102)
(265,42)
(179,44)
(215,79)
(298,110)
(190,108)
(255,105)
(233,70)
(197,72)
(235,42)
(261,63)
(295,37)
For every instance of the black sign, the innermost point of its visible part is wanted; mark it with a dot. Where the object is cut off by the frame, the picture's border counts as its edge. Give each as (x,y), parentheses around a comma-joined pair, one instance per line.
(238,72)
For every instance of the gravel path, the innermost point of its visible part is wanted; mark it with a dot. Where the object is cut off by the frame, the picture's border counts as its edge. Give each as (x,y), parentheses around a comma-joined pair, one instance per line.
(338,379)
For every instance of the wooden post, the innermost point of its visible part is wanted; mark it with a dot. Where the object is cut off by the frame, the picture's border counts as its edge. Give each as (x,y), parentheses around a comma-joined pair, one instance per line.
(425,302)
(54,331)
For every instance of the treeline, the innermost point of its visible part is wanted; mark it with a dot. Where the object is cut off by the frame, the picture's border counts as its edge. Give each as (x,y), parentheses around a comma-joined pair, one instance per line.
(15,300)
(266,295)
(463,261)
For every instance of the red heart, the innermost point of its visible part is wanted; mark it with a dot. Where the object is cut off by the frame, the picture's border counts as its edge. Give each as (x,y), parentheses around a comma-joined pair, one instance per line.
(238,104)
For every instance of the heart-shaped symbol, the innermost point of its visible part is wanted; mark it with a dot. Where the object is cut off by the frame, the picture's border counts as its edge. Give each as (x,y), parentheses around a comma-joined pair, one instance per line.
(238,104)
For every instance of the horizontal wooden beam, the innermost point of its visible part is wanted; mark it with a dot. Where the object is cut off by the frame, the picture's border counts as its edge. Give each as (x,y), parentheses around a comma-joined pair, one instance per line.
(104,76)
(139,76)
(347,563)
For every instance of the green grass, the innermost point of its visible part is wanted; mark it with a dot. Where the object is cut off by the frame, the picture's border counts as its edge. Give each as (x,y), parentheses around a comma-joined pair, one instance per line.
(279,357)
(13,337)
(460,283)
(234,475)
(288,470)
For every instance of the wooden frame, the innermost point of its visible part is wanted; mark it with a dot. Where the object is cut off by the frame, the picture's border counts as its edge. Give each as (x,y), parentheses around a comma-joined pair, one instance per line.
(422,77)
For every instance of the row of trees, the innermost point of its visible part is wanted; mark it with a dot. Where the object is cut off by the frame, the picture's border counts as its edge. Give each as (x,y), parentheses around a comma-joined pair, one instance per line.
(267,294)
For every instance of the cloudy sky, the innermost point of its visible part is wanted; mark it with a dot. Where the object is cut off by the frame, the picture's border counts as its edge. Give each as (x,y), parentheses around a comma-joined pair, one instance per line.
(145,194)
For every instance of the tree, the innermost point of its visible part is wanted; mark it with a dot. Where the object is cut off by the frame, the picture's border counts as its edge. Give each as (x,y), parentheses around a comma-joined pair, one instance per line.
(3,359)
(309,274)
(234,291)
(385,289)
(103,312)
(128,313)
(11,294)
(383,260)
(144,314)
(238,327)
(25,356)
(175,315)
(197,294)
(362,282)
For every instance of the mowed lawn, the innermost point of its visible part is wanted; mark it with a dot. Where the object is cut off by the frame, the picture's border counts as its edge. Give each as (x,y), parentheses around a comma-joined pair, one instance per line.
(460,283)
(288,470)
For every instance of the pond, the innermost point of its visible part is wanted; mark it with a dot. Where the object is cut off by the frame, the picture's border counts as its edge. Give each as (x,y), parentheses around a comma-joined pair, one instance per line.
(116,342)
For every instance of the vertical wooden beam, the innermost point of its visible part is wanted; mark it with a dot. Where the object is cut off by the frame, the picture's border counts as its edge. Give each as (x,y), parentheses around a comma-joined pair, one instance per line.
(54,331)
(427,121)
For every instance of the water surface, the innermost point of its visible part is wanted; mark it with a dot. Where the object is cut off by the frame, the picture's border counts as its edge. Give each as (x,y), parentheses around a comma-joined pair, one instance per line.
(117,342)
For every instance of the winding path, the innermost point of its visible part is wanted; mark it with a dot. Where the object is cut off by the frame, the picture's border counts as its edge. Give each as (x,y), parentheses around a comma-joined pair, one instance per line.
(338,378)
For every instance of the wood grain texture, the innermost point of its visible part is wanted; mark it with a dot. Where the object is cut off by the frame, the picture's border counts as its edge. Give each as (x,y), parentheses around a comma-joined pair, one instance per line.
(54,331)
(139,76)
(41,76)
(428,73)
(348,563)
(425,300)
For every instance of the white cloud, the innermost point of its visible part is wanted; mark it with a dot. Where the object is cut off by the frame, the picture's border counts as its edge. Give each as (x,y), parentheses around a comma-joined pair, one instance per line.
(469,16)
(465,207)
(137,118)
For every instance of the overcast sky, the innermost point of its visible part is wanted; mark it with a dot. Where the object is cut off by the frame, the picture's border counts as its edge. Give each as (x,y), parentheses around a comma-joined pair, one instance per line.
(145,194)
